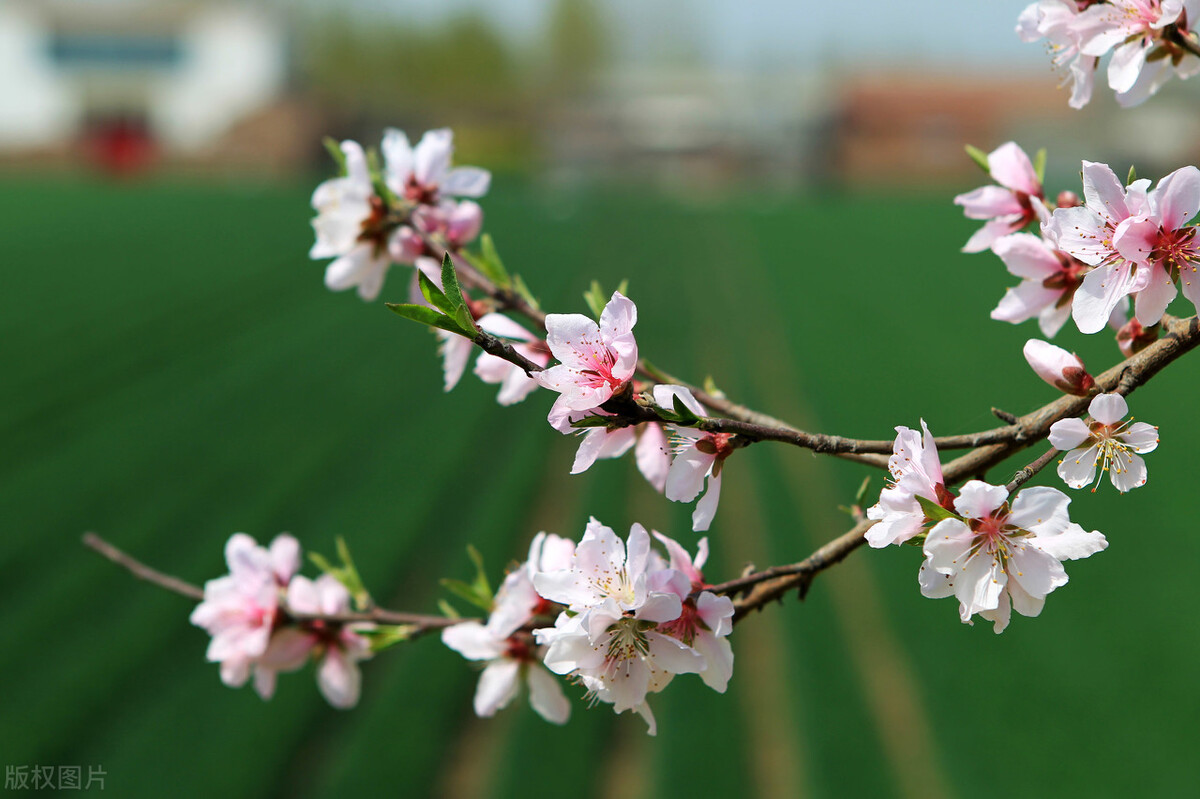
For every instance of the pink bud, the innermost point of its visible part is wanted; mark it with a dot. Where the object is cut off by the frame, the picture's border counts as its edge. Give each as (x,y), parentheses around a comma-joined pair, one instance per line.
(406,245)
(1059,368)
(1134,337)
(1068,199)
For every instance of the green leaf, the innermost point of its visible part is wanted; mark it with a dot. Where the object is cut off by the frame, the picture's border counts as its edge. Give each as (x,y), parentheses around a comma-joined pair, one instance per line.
(861,495)
(524,293)
(448,610)
(1132,175)
(623,287)
(467,322)
(710,388)
(433,295)
(339,157)
(934,511)
(481,580)
(1039,165)
(685,414)
(490,263)
(593,421)
(450,286)
(385,635)
(468,592)
(350,577)
(594,297)
(428,316)
(979,157)
(320,562)
(346,574)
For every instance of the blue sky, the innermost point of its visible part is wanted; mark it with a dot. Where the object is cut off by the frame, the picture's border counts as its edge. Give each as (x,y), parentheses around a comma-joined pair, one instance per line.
(967,34)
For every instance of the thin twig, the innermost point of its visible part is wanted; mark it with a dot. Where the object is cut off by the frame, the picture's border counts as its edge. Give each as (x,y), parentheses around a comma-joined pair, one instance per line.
(141,570)
(419,621)
(1026,473)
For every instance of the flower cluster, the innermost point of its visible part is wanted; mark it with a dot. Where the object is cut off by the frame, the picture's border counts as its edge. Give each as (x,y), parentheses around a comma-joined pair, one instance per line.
(625,622)
(1150,40)
(367,222)
(992,555)
(1093,257)
(251,614)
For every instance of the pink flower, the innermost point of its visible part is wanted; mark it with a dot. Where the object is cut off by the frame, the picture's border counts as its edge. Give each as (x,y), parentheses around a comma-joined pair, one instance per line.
(339,647)
(1058,22)
(596,361)
(996,558)
(1061,369)
(1143,59)
(1089,233)
(915,471)
(697,455)
(240,610)
(1012,205)
(457,224)
(706,622)
(596,442)
(1164,243)
(422,174)
(1107,441)
(1049,280)
(510,653)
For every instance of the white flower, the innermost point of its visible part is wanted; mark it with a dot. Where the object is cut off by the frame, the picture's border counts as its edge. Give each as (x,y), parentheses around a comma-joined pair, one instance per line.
(609,641)
(1106,441)
(422,174)
(915,471)
(697,456)
(350,228)
(510,652)
(995,558)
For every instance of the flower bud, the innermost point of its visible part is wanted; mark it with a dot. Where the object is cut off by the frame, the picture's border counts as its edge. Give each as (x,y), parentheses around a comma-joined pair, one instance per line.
(1068,199)
(1059,368)
(1134,337)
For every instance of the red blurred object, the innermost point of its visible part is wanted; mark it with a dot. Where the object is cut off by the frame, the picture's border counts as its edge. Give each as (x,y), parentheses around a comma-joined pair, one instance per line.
(120,145)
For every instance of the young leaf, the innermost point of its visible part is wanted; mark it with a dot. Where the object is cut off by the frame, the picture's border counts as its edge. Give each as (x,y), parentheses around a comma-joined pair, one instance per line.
(1039,165)
(1132,175)
(592,421)
(491,266)
(711,389)
(623,287)
(468,592)
(385,635)
(861,496)
(481,580)
(935,511)
(979,157)
(594,297)
(339,157)
(433,295)
(450,285)
(448,610)
(428,316)
(349,577)
(524,293)
(685,414)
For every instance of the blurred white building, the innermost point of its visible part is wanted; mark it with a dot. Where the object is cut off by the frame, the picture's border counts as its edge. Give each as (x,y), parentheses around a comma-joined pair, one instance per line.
(178,74)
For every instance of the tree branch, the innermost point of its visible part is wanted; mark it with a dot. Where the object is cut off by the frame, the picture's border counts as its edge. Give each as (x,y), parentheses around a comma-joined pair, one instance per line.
(420,622)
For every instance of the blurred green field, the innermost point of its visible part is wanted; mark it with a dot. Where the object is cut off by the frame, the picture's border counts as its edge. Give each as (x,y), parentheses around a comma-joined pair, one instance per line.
(175,372)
